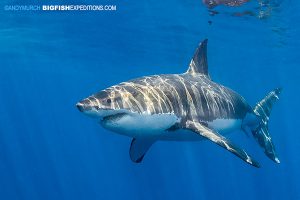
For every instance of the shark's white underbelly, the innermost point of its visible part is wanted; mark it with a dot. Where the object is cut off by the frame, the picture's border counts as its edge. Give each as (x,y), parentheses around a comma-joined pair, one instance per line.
(225,125)
(222,126)
(142,125)
(158,126)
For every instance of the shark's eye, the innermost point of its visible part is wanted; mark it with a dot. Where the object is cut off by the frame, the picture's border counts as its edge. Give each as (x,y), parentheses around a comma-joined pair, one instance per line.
(108,101)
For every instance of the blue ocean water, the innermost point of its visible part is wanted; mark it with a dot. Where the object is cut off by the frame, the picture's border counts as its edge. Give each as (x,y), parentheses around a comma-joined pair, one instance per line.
(51,60)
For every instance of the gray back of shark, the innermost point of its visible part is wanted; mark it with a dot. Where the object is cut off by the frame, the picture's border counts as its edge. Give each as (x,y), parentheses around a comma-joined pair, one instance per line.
(188,106)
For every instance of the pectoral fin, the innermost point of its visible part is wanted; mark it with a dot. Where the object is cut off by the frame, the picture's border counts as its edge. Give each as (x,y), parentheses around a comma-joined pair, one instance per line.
(139,147)
(220,140)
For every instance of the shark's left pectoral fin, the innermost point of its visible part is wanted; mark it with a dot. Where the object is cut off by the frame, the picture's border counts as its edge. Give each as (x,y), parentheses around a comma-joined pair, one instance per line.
(220,140)
(139,147)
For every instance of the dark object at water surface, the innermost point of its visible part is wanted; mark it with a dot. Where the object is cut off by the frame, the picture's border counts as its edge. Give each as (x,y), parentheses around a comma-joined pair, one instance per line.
(213,3)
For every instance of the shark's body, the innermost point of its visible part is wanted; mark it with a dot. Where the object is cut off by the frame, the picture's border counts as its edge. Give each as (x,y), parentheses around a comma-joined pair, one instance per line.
(180,107)
(172,100)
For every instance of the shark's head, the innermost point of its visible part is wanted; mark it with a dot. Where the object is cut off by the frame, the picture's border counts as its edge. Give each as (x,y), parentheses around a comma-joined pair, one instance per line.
(107,103)
(128,110)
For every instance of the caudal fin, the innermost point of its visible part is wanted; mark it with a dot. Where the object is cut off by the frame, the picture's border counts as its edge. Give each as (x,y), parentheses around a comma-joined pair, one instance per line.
(261,133)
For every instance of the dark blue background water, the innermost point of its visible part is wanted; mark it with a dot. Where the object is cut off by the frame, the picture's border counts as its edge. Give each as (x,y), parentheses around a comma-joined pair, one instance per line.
(50,60)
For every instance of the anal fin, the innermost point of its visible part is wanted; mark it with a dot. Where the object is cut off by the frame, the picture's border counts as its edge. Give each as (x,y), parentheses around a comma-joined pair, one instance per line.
(220,140)
(139,147)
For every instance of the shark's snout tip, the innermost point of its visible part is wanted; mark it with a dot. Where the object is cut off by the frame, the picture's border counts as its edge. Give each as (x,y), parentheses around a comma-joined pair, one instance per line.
(80,106)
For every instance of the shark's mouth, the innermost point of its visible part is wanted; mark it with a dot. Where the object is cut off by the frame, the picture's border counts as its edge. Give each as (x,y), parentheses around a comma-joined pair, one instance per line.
(113,117)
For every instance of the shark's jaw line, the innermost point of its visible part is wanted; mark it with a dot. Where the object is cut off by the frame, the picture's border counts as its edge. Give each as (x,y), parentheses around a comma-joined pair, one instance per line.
(113,116)
(106,114)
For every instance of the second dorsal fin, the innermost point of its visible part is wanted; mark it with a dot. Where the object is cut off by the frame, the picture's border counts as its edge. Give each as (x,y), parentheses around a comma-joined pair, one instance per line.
(199,62)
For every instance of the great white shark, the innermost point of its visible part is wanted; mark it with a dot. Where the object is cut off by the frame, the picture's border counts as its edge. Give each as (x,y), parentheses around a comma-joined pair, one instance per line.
(181,107)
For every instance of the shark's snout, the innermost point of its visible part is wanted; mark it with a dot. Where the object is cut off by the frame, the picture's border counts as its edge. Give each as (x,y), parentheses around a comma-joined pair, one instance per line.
(80,107)
(84,106)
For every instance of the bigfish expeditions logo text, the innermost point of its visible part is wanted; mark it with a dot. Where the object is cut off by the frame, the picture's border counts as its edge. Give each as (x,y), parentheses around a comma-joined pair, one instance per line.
(60,7)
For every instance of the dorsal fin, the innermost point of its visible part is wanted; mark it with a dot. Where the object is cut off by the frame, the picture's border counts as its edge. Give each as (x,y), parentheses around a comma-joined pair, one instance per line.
(199,62)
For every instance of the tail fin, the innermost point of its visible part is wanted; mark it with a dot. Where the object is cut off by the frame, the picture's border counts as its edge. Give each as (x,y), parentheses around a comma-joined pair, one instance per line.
(261,134)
